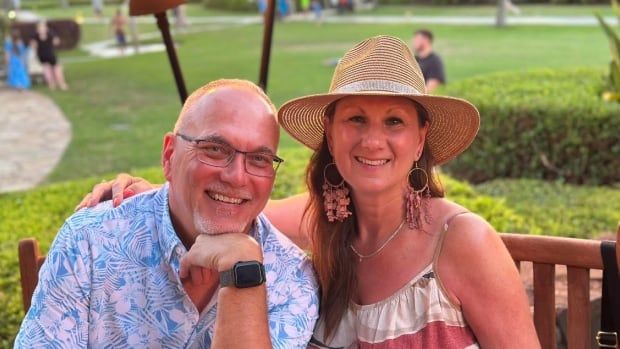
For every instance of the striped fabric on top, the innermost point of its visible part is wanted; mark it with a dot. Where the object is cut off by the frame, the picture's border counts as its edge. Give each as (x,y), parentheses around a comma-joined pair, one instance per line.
(419,315)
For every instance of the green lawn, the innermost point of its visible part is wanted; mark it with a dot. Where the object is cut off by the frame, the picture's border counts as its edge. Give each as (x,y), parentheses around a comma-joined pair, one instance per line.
(120,108)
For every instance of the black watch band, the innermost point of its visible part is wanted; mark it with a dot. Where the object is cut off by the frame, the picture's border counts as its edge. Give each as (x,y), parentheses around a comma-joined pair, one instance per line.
(243,275)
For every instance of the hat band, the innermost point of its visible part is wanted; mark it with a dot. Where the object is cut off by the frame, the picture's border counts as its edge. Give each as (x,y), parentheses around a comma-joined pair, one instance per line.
(377,85)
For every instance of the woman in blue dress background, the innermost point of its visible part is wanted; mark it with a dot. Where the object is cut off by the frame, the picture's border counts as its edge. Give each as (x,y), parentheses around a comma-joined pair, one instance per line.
(15,58)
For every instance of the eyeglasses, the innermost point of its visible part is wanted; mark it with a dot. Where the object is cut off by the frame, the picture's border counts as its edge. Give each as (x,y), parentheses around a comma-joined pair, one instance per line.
(217,153)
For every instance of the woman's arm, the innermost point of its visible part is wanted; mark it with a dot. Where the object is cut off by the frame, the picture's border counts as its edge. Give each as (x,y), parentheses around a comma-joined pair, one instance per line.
(478,271)
(285,214)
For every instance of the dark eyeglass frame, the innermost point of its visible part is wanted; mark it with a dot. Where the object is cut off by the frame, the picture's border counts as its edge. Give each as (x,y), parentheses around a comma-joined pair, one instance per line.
(276,159)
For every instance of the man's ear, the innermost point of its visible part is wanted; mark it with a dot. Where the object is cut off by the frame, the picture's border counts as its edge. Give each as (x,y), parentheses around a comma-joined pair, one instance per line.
(166,155)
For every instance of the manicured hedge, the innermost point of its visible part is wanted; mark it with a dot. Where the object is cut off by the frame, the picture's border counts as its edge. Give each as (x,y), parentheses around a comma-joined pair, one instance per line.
(545,124)
(552,208)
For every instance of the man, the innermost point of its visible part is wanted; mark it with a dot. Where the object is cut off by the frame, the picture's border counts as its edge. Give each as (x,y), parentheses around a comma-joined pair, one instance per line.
(430,63)
(119,277)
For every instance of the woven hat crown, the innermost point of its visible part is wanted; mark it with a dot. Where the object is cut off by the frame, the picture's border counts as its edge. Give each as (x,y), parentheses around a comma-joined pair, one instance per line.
(380,63)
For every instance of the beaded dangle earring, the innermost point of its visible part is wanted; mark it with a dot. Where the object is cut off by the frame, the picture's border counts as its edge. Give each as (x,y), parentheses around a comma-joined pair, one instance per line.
(335,198)
(417,199)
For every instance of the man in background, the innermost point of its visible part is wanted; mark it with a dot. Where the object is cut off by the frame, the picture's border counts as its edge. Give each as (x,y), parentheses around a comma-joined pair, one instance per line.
(118,24)
(430,62)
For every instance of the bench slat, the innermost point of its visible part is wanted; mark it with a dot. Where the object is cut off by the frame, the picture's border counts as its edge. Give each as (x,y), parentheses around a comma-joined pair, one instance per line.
(29,259)
(554,250)
(544,304)
(578,308)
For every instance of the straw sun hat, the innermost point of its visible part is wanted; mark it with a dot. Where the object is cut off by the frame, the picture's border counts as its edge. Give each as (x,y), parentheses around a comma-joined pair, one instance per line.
(384,66)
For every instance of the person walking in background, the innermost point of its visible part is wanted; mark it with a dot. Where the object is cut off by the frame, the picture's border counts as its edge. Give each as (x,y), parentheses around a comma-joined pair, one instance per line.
(98,8)
(283,8)
(15,53)
(118,24)
(180,17)
(262,6)
(512,8)
(17,5)
(317,9)
(430,62)
(44,42)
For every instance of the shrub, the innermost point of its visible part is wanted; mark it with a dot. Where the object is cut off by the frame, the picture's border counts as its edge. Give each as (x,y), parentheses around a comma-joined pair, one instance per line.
(546,124)
(553,208)
(494,210)
(232,5)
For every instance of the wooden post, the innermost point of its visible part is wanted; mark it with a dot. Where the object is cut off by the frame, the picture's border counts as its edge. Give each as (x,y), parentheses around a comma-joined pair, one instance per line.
(164,27)
(267,36)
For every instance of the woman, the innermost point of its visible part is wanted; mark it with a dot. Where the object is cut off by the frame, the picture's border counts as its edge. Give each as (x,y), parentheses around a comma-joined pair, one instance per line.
(15,53)
(44,42)
(399,265)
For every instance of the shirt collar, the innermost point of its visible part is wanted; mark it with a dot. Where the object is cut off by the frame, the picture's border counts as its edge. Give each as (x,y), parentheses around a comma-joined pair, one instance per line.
(169,241)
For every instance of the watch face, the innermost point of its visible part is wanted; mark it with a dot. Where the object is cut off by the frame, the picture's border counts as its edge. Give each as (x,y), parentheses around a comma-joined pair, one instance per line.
(248,274)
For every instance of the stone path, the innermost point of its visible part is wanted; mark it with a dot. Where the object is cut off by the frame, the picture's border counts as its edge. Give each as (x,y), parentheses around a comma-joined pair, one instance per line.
(33,136)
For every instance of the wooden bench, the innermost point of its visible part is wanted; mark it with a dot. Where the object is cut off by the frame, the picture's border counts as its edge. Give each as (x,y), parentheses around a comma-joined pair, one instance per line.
(30,261)
(578,255)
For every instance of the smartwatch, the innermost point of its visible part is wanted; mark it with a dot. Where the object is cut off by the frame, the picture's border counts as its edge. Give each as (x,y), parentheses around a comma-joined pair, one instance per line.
(243,275)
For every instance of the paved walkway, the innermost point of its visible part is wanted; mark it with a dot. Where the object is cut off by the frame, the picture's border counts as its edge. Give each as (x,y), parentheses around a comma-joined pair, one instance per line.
(33,136)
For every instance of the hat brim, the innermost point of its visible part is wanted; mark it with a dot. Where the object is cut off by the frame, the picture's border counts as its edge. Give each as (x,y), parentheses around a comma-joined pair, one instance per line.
(454,122)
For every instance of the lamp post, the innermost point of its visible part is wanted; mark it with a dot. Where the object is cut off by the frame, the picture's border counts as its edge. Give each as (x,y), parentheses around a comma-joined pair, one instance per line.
(159,8)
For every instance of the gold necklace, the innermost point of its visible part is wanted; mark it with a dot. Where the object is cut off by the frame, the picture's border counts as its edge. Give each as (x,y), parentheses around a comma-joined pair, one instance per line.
(387,241)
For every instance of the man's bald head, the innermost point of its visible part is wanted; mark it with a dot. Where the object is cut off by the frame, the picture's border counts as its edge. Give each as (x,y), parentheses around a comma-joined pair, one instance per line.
(193,102)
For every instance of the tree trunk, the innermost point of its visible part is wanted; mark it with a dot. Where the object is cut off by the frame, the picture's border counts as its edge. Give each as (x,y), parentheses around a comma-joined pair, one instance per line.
(500,19)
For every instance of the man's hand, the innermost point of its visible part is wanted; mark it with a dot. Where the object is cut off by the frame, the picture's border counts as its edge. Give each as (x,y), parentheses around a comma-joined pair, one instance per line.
(241,320)
(122,187)
(215,253)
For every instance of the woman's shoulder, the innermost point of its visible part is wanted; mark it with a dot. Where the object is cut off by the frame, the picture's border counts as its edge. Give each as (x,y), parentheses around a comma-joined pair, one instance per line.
(470,247)
(467,234)
(460,223)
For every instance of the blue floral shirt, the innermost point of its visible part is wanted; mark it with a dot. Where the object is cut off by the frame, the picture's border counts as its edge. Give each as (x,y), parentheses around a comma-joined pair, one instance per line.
(111,280)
